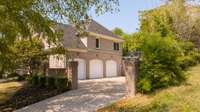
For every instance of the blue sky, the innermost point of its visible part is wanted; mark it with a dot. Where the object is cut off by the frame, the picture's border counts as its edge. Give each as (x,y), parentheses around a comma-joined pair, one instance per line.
(127,17)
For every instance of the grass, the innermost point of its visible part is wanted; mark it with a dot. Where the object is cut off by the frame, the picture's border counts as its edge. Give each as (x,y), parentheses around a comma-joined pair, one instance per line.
(15,95)
(184,98)
(8,89)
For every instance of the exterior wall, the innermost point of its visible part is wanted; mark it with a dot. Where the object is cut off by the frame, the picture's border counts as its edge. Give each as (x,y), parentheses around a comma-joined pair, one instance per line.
(90,55)
(105,45)
(104,53)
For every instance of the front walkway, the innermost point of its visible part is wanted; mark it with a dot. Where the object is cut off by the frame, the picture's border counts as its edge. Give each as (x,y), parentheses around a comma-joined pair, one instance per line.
(91,95)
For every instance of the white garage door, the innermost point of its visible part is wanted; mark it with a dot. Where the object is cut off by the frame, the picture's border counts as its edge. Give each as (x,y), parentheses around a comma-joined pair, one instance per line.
(81,69)
(96,69)
(111,68)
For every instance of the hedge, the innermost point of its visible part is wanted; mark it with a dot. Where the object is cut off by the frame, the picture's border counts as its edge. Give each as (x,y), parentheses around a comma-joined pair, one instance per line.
(51,82)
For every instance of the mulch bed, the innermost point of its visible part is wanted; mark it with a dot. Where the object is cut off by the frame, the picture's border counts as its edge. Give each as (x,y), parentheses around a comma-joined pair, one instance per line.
(28,95)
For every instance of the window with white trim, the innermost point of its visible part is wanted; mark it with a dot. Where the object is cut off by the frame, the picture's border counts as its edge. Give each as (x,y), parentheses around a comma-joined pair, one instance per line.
(97,43)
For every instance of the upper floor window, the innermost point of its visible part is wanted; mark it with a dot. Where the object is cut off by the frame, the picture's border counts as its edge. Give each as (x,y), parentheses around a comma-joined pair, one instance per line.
(116,46)
(97,43)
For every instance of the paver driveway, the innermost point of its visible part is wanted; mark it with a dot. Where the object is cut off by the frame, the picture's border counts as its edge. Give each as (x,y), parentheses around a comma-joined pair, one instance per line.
(91,95)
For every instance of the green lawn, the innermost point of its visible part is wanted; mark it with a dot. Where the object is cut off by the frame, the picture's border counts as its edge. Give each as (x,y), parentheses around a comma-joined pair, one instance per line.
(8,89)
(184,98)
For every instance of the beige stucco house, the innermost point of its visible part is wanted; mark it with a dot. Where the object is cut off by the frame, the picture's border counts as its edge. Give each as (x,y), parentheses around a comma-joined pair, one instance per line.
(99,55)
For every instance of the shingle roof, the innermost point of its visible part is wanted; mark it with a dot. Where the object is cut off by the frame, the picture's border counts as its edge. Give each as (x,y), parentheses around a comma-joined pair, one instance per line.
(99,29)
(70,39)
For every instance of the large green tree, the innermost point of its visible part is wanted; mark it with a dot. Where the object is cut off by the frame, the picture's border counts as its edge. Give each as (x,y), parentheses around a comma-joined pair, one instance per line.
(175,18)
(25,19)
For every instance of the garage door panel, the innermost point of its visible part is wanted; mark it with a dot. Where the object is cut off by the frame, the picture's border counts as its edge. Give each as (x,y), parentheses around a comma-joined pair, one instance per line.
(96,69)
(81,69)
(111,68)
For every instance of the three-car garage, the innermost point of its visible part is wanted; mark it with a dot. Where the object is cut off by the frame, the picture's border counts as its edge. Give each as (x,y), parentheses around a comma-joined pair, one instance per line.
(96,68)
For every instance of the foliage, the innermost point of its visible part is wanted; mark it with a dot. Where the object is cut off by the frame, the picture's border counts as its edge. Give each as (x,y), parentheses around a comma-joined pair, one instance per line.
(118,31)
(186,62)
(131,41)
(21,78)
(28,19)
(184,98)
(175,18)
(29,54)
(13,74)
(61,83)
(190,55)
(159,66)
(35,80)
(51,82)
(25,18)
(17,95)
(166,40)
(42,81)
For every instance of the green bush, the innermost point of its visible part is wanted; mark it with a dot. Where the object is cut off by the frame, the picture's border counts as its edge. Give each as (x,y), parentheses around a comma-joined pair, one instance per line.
(42,81)
(35,80)
(195,54)
(190,55)
(21,78)
(159,66)
(13,75)
(187,61)
(51,81)
(62,83)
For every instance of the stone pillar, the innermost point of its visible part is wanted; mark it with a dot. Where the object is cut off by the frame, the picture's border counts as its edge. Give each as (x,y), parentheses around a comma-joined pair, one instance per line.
(130,68)
(74,69)
(87,68)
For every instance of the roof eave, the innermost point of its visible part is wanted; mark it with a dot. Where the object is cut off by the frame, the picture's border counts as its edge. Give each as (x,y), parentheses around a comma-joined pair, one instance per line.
(106,37)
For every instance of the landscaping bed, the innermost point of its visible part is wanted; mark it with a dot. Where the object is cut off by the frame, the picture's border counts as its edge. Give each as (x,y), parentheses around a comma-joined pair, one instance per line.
(29,94)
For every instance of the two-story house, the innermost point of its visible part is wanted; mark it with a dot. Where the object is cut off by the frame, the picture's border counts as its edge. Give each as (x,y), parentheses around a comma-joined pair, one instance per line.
(99,55)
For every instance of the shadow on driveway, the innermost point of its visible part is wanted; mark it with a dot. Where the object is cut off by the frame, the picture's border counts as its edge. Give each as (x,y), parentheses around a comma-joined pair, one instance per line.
(91,95)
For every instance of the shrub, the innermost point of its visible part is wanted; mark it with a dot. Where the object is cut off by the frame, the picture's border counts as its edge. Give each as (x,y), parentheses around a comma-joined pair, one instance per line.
(51,82)
(159,66)
(195,54)
(42,81)
(187,61)
(62,83)
(13,74)
(35,80)
(21,78)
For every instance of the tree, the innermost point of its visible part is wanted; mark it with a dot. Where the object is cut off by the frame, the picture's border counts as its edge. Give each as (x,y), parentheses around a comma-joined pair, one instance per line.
(25,19)
(118,31)
(175,18)
(159,66)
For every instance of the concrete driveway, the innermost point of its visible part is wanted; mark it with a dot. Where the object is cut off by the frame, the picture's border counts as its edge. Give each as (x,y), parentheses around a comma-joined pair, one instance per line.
(91,95)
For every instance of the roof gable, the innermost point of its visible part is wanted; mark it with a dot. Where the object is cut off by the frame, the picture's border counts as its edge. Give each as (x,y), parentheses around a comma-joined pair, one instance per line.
(99,29)
(72,41)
